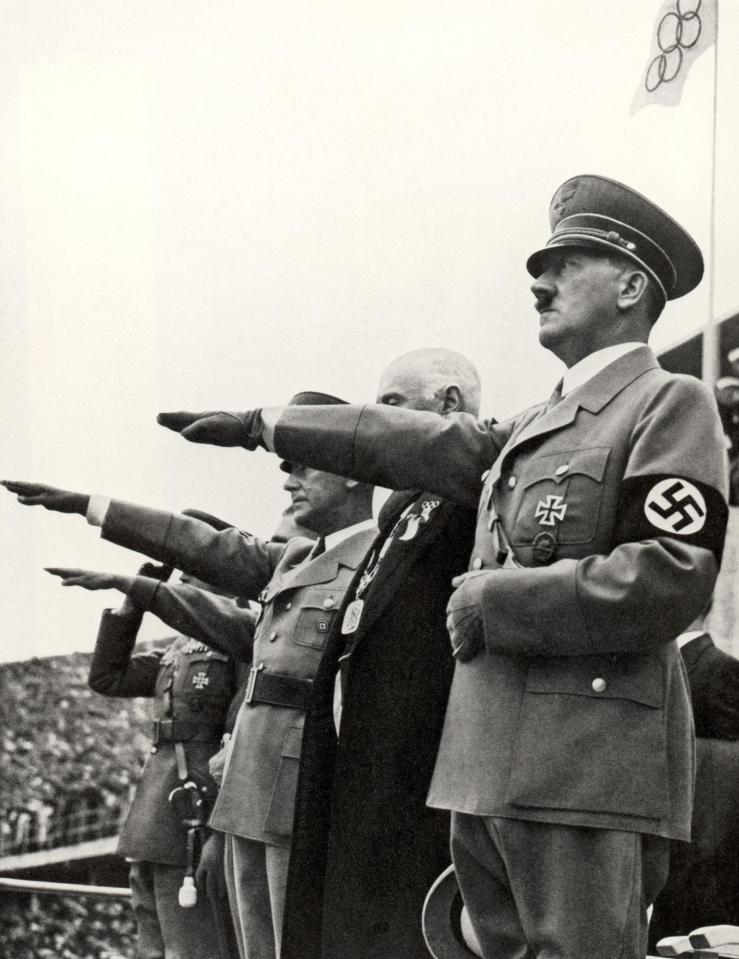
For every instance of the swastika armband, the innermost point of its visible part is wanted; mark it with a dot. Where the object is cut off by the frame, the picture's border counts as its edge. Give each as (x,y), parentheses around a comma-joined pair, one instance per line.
(663,504)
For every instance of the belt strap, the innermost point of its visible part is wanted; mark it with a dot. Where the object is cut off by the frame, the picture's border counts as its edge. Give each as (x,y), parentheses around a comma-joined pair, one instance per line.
(183,730)
(276,689)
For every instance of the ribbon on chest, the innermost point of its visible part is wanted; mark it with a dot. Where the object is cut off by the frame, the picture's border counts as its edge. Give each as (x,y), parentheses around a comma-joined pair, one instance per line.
(413,519)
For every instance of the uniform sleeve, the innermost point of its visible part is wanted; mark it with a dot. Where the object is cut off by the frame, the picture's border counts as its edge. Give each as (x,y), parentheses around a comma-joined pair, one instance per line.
(213,620)
(668,537)
(230,559)
(393,447)
(113,669)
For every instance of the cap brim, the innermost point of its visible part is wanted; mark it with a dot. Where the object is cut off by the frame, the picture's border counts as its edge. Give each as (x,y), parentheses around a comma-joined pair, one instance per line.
(535,265)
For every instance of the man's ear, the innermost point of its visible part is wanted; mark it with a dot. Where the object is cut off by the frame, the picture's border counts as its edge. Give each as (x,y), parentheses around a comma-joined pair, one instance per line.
(452,399)
(632,287)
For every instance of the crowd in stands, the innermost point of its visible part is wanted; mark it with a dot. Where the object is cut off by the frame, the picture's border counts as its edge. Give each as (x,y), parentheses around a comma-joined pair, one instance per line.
(68,759)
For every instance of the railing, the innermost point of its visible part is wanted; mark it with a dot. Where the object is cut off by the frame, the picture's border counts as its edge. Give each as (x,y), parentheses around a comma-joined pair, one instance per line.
(63,889)
(28,831)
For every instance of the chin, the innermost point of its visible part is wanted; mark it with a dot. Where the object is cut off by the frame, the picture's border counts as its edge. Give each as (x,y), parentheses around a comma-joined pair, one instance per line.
(547,337)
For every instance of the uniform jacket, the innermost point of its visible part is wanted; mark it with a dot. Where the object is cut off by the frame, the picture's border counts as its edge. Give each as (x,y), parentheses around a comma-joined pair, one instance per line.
(578,712)
(192,685)
(300,601)
(366,849)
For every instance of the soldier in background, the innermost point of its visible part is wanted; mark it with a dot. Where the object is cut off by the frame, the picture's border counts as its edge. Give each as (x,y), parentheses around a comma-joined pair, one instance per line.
(193,686)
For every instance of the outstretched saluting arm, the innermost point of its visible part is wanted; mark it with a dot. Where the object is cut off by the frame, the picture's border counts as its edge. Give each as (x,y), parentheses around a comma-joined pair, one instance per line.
(229,559)
(374,443)
(214,620)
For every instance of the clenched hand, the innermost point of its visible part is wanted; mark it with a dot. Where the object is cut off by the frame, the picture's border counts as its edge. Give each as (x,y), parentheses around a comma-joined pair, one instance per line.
(464,616)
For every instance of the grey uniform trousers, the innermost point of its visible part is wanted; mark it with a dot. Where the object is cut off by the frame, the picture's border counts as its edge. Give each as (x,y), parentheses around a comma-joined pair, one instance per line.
(556,892)
(256,878)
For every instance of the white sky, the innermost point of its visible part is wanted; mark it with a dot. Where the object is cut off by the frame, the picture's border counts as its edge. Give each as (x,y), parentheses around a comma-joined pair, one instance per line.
(210,204)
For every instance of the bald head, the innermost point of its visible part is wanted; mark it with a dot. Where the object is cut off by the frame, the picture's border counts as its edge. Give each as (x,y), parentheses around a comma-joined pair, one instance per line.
(442,381)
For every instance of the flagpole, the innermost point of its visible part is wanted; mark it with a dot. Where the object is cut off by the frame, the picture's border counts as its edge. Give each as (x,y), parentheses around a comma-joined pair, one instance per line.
(711,361)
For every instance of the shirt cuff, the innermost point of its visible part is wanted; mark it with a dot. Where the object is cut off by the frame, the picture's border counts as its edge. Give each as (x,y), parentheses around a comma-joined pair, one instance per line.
(97,509)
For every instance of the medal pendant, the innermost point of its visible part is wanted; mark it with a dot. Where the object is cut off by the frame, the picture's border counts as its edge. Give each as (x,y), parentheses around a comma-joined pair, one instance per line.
(352,616)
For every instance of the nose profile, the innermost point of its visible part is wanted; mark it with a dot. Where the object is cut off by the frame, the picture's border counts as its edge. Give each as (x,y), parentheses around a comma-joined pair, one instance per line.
(291,483)
(543,285)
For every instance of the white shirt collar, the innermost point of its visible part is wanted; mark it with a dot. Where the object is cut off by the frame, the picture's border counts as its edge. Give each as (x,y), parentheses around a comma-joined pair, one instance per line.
(586,368)
(692,634)
(333,539)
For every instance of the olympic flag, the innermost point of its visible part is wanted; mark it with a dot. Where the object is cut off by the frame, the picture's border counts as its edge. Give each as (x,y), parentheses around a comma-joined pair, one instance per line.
(682,31)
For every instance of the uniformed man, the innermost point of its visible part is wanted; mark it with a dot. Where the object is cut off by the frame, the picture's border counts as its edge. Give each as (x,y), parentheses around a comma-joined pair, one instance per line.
(209,620)
(567,755)
(301,585)
(192,686)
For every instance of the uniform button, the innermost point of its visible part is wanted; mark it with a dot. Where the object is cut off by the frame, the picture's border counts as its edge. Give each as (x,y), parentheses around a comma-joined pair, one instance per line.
(288,605)
(599,685)
(153,749)
(477,563)
(328,602)
(272,636)
(561,470)
(512,482)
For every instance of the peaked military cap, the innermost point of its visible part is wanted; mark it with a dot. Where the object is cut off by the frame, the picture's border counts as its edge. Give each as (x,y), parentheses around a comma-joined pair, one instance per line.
(310,398)
(593,212)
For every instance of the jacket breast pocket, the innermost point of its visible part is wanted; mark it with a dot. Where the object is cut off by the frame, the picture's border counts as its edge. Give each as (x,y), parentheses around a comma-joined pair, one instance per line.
(317,614)
(279,819)
(209,677)
(562,494)
(591,737)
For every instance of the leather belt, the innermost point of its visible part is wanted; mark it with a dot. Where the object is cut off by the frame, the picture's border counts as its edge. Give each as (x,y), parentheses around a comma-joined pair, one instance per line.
(183,730)
(276,689)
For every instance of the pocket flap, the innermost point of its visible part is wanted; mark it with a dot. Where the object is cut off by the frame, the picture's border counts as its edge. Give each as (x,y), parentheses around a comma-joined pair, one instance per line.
(634,678)
(557,467)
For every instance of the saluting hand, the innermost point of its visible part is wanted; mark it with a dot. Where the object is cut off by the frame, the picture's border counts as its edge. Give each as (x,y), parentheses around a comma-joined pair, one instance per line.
(217,428)
(37,494)
(89,579)
(464,617)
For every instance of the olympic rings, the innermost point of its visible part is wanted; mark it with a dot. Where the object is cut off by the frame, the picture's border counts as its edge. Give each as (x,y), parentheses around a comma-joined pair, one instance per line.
(678,30)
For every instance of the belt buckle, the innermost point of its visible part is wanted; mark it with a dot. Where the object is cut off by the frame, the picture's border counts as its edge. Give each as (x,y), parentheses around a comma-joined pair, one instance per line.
(252,682)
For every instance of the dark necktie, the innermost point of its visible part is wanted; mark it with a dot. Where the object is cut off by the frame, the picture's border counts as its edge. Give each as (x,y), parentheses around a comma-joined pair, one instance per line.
(555,398)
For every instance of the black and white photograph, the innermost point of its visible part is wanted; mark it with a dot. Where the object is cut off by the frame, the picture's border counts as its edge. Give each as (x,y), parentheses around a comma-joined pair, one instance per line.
(369,395)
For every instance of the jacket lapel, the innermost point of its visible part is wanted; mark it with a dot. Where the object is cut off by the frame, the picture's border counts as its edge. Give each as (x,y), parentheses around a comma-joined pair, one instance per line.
(323,568)
(593,396)
(393,567)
